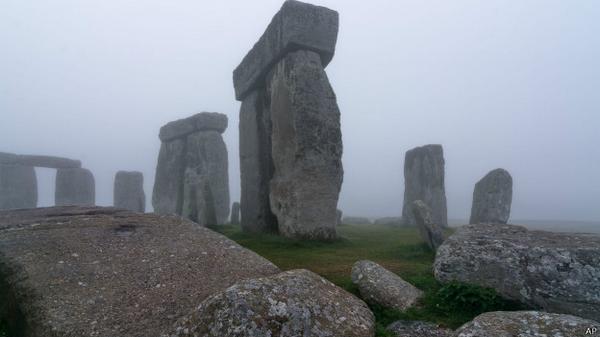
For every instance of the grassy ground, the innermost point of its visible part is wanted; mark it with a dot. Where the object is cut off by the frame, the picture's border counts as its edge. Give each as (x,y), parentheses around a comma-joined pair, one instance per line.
(398,249)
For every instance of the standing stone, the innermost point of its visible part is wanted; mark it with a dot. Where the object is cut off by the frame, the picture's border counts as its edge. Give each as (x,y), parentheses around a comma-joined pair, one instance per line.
(129,191)
(235,213)
(424,180)
(18,187)
(307,148)
(256,164)
(339,215)
(492,198)
(430,232)
(168,184)
(74,186)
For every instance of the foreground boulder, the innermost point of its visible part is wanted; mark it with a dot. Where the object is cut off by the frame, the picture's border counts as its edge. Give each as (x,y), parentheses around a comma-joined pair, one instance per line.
(557,272)
(430,232)
(417,329)
(92,271)
(492,198)
(527,324)
(380,286)
(291,304)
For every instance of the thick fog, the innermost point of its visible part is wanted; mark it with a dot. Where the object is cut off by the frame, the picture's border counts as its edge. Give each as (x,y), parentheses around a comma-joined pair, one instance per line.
(512,84)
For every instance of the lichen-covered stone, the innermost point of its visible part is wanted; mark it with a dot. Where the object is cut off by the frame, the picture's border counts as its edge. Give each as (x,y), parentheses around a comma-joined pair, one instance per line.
(18,187)
(430,232)
(418,329)
(424,180)
(296,26)
(295,303)
(167,196)
(527,324)
(307,148)
(557,272)
(380,286)
(74,186)
(106,272)
(492,198)
(128,191)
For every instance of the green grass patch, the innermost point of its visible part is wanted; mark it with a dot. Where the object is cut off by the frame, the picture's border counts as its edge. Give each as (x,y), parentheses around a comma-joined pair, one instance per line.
(400,250)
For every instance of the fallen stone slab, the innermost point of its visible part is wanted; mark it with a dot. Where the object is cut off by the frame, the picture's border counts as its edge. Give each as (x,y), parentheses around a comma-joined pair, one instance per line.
(557,272)
(203,121)
(380,286)
(296,26)
(293,303)
(527,324)
(418,329)
(92,271)
(128,191)
(430,232)
(18,187)
(356,220)
(74,186)
(492,198)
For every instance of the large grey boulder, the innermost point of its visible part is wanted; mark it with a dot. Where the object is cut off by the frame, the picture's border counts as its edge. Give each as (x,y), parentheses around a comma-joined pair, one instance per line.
(527,324)
(307,148)
(74,186)
(296,26)
(128,192)
(556,272)
(256,164)
(235,213)
(18,187)
(356,220)
(430,232)
(291,304)
(424,180)
(492,198)
(167,195)
(418,329)
(106,272)
(380,286)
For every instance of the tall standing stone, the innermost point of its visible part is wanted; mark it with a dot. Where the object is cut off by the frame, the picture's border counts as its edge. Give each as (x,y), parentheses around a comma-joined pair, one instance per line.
(129,191)
(18,187)
(492,198)
(167,195)
(74,186)
(424,180)
(235,213)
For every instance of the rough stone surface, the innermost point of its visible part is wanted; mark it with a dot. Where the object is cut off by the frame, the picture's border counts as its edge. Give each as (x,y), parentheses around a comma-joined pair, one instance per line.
(431,233)
(256,164)
(307,148)
(389,221)
(203,121)
(492,198)
(74,186)
(296,26)
(91,271)
(39,161)
(235,213)
(380,286)
(424,180)
(291,304)
(18,187)
(556,272)
(526,324)
(129,191)
(167,196)
(418,329)
(356,220)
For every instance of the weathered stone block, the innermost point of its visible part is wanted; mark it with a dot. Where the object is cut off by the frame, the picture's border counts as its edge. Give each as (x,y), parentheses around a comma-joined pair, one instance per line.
(18,187)
(307,148)
(492,198)
(74,186)
(167,195)
(128,191)
(296,26)
(48,161)
(203,121)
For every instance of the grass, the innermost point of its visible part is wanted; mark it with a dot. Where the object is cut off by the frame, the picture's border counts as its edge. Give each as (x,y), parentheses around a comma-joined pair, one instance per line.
(400,250)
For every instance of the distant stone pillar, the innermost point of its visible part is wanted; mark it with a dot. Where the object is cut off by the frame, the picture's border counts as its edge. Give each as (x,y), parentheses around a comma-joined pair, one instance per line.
(235,213)
(492,198)
(18,187)
(424,180)
(128,192)
(74,186)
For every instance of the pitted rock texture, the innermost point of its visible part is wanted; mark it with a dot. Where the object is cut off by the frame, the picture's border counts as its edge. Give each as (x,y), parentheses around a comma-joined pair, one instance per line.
(418,329)
(492,198)
(18,187)
(526,324)
(295,303)
(424,180)
(380,286)
(256,164)
(307,148)
(430,232)
(74,186)
(128,192)
(92,271)
(235,213)
(356,220)
(556,272)
(39,161)
(389,221)
(202,121)
(296,26)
